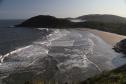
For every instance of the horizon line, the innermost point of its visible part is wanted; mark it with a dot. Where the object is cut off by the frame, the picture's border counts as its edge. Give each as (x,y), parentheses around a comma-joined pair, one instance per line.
(59,17)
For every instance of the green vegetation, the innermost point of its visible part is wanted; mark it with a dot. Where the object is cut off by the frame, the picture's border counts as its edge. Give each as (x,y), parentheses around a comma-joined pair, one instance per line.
(103,18)
(107,23)
(117,76)
(119,28)
(45,21)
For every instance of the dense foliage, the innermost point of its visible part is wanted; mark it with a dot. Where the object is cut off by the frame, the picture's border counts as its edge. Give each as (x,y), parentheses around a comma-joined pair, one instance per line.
(117,76)
(119,28)
(46,21)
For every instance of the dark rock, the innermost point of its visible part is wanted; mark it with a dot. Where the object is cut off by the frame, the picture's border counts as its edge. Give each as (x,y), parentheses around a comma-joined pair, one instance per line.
(120,46)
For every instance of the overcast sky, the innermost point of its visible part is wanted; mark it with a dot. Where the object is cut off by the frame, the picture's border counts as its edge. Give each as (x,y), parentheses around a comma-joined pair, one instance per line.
(17,9)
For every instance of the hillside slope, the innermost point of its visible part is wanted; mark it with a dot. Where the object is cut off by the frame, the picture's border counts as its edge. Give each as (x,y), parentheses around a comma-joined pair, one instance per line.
(45,21)
(117,76)
(109,23)
(103,18)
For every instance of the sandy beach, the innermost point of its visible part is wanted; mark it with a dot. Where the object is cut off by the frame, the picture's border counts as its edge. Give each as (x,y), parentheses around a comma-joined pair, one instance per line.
(110,38)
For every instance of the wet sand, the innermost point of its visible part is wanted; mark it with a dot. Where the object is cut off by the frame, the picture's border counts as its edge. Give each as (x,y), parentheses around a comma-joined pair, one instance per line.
(73,54)
(110,38)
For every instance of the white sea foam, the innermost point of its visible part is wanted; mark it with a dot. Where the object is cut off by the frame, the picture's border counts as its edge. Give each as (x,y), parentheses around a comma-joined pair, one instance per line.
(64,52)
(30,53)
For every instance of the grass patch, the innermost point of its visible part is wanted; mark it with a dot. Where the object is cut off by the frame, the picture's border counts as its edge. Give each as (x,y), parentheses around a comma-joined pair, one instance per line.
(117,76)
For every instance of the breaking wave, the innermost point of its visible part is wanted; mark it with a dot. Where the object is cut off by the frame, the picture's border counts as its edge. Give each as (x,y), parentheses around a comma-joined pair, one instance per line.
(52,58)
(62,54)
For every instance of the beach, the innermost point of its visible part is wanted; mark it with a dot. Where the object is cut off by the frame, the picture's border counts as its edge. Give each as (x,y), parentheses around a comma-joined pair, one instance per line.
(110,38)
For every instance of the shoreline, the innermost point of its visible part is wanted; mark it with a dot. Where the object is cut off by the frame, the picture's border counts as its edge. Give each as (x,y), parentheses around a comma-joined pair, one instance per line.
(110,38)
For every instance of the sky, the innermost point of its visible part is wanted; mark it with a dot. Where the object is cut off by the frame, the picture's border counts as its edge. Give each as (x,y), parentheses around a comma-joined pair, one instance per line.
(22,9)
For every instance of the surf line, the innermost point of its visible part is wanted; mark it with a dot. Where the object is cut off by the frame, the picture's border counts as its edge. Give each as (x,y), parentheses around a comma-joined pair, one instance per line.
(12,52)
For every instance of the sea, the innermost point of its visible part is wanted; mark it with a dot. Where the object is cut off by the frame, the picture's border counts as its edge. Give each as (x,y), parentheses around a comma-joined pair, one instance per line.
(62,56)
(13,38)
(40,54)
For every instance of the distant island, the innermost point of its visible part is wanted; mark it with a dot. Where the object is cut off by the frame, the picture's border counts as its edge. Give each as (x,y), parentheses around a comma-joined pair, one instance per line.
(109,23)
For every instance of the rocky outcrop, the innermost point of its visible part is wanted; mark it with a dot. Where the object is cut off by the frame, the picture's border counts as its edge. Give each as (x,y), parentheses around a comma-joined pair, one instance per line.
(120,46)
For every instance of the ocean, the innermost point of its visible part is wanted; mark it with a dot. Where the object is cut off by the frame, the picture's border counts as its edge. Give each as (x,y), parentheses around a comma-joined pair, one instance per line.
(13,38)
(43,54)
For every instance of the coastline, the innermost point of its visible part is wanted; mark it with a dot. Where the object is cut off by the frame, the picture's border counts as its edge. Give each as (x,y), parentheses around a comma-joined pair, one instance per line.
(110,38)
